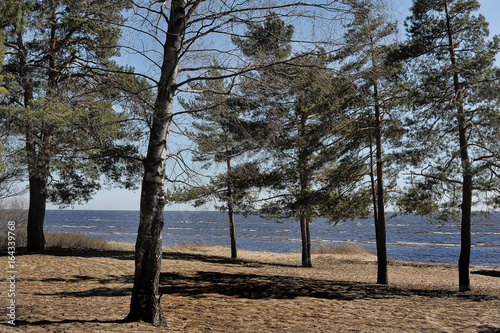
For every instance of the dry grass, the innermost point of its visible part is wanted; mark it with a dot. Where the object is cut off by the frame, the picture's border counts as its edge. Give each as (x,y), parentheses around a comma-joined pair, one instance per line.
(61,240)
(344,249)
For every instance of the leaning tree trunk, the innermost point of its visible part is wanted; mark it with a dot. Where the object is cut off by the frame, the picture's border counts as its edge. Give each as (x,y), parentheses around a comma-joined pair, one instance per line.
(465,246)
(145,302)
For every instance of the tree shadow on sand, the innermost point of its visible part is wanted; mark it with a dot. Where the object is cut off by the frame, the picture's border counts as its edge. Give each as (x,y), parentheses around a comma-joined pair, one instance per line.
(253,286)
(219,260)
(20,323)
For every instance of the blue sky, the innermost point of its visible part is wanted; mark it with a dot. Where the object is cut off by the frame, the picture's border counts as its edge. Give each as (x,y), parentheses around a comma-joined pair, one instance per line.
(118,199)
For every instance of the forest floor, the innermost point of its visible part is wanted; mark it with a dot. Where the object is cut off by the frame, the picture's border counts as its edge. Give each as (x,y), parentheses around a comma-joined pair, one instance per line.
(205,291)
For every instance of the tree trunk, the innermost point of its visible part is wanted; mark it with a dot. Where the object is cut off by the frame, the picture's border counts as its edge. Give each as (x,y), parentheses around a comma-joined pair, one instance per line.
(145,302)
(305,186)
(467,184)
(230,205)
(465,246)
(232,233)
(38,169)
(36,213)
(38,164)
(372,185)
(306,241)
(380,233)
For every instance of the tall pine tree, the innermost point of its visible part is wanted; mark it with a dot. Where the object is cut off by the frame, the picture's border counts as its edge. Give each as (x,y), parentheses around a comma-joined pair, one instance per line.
(454,120)
(369,41)
(223,138)
(63,88)
(311,171)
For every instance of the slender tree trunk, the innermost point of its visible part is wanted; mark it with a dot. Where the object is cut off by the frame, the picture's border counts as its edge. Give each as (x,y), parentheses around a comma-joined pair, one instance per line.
(467,183)
(373,186)
(230,210)
(306,241)
(380,226)
(232,233)
(305,184)
(145,302)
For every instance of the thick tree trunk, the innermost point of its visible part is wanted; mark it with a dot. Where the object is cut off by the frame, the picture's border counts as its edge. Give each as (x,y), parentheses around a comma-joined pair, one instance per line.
(38,165)
(36,213)
(38,172)
(145,302)
(467,184)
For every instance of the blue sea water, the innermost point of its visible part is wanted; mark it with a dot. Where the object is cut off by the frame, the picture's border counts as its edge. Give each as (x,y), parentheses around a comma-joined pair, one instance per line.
(409,238)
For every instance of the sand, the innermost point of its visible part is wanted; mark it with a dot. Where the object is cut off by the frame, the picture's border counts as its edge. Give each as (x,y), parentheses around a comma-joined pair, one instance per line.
(204,291)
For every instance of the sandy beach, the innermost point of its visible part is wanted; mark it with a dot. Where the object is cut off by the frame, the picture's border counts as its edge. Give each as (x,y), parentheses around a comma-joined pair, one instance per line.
(204,291)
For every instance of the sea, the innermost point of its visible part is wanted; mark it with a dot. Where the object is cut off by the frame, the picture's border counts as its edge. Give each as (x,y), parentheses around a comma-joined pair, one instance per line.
(409,238)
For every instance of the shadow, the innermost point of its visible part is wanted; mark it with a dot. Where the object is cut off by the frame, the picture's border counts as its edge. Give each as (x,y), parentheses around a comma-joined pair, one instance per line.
(65,321)
(488,329)
(219,260)
(253,286)
(100,291)
(80,278)
(120,255)
(242,285)
(487,272)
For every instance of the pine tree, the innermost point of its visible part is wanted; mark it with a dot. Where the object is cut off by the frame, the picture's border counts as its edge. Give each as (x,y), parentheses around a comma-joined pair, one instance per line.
(365,58)
(310,173)
(454,118)
(222,137)
(62,89)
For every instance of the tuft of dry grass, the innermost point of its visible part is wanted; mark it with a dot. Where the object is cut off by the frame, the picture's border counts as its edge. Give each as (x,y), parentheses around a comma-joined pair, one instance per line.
(63,240)
(344,249)
(58,240)
(187,247)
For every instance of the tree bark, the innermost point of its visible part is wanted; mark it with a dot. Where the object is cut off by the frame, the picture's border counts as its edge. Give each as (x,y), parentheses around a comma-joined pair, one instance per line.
(38,174)
(467,183)
(306,241)
(380,233)
(305,185)
(230,210)
(232,233)
(36,213)
(145,302)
